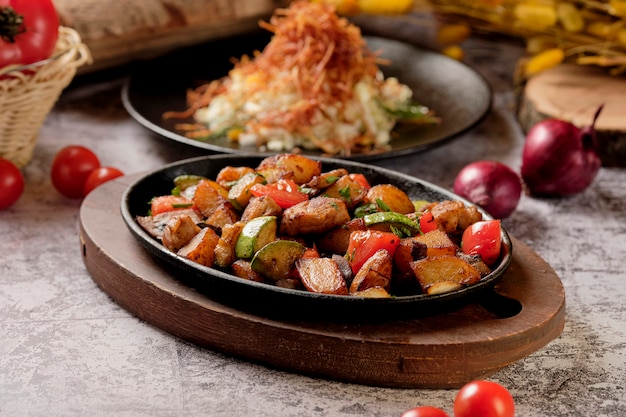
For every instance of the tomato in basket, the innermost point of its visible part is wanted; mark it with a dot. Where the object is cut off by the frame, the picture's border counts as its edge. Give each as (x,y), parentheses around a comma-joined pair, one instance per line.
(29,30)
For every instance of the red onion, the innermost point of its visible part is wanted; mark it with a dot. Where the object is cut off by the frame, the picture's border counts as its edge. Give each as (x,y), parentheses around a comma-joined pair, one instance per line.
(491,185)
(560,159)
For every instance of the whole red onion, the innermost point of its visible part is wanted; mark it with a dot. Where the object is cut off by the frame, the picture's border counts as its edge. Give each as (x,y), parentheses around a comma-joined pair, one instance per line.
(491,185)
(560,159)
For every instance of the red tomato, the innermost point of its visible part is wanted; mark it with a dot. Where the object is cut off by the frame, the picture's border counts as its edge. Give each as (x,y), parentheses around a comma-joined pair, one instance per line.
(284,192)
(365,243)
(99,176)
(427,222)
(361,180)
(484,399)
(166,203)
(483,238)
(425,411)
(29,32)
(11,183)
(70,169)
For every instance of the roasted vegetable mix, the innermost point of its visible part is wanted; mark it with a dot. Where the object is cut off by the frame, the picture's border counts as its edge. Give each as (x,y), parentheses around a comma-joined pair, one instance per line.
(289,223)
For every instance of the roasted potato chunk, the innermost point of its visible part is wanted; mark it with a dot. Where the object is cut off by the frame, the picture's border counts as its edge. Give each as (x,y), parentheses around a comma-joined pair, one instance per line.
(201,248)
(225,248)
(445,273)
(321,275)
(178,232)
(299,168)
(394,198)
(315,216)
(260,206)
(208,198)
(375,272)
(348,190)
(437,243)
(453,216)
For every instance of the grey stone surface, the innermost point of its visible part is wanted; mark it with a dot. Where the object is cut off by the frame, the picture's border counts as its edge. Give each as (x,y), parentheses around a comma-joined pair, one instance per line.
(66,349)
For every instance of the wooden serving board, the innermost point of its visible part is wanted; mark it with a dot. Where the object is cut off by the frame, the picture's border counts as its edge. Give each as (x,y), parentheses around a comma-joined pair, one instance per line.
(573,93)
(526,312)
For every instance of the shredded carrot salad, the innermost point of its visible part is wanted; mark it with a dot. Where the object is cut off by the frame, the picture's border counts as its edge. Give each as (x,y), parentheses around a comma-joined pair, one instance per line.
(316,85)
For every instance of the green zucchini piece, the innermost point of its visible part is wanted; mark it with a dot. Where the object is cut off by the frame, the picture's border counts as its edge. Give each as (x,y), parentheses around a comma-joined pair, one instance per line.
(392,221)
(255,234)
(277,259)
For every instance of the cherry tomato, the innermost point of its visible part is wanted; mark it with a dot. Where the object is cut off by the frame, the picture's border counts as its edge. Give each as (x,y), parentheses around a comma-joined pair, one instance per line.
(427,222)
(70,169)
(165,203)
(99,176)
(484,399)
(425,411)
(483,238)
(284,192)
(11,183)
(29,32)
(365,243)
(361,180)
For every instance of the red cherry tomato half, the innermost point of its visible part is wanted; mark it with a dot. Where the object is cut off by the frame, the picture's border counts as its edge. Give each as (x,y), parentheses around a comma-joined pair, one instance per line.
(483,238)
(284,192)
(365,243)
(425,411)
(70,169)
(99,176)
(11,183)
(427,222)
(484,399)
(360,179)
(166,203)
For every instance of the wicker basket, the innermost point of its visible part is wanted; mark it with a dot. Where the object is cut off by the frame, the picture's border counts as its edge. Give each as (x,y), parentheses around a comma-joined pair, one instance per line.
(28,94)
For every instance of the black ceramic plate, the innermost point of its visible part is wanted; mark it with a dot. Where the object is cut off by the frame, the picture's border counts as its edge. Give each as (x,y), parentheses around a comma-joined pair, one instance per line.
(287,302)
(456,93)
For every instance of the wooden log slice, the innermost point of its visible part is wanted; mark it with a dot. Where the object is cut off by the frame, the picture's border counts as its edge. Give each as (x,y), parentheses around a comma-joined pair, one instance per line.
(573,93)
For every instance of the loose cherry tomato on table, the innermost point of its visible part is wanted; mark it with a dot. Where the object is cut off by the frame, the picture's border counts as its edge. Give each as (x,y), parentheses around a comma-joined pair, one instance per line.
(71,167)
(29,31)
(11,183)
(484,399)
(99,176)
(483,238)
(425,411)
(284,192)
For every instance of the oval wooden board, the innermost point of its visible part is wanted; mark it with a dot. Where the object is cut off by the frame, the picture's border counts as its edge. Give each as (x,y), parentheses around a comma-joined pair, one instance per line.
(525,313)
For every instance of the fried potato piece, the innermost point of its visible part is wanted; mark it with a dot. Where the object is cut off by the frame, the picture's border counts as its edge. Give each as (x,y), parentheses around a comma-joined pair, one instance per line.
(321,275)
(178,232)
(260,206)
(336,240)
(445,273)
(347,189)
(315,216)
(299,168)
(375,272)
(207,198)
(225,248)
(453,216)
(437,243)
(201,248)
(241,268)
(395,198)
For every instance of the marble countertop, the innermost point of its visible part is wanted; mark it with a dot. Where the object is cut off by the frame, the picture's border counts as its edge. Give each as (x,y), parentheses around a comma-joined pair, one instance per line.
(67,349)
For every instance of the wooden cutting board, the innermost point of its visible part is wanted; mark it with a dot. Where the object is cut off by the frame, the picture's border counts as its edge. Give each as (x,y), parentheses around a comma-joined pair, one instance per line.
(573,93)
(525,313)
